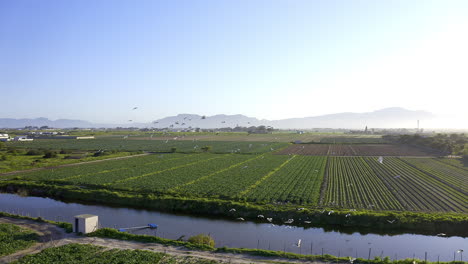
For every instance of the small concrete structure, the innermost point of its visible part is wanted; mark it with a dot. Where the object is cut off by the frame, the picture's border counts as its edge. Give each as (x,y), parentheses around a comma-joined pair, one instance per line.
(85,223)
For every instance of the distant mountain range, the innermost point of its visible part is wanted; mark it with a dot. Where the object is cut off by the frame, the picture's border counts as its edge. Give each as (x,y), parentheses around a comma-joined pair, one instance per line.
(394,117)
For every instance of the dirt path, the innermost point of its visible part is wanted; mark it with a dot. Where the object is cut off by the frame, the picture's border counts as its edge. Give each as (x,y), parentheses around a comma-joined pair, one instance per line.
(71,164)
(53,236)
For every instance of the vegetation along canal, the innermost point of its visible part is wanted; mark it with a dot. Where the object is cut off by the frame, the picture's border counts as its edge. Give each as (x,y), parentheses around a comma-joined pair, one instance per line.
(246,234)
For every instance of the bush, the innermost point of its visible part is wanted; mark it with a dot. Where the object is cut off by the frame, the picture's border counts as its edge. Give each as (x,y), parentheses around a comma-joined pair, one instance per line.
(4,157)
(65,151)
(12,150)
(206,148)
(50,154)
(34,152)
(202,239)
(173,149)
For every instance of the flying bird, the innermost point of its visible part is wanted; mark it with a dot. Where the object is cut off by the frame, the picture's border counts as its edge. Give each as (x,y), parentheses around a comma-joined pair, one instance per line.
(391,222)
(381,160)
(331,212)
(441,234)
(348,215)
(240,219)
(130,120)
(135,108)
(269,219)
(298,244)
(307,222)
(260,216)
(290,221)
(232,210)
(351,260)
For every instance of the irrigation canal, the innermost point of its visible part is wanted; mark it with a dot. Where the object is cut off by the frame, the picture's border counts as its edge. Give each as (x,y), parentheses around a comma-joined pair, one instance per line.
(245,234)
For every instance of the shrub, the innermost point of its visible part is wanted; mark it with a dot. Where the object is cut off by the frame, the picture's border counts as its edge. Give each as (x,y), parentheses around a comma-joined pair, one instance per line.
(34,152)
(202,239)
(50,154)
(206,148)
(173,149)
(65,151)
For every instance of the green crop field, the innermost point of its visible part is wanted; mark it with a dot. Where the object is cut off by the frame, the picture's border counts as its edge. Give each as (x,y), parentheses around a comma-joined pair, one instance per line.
(356,182)
(353,140)
(414,184)
(121,144)
(298,182)
(453,176)
(351,183)
(417,190)
(14,238)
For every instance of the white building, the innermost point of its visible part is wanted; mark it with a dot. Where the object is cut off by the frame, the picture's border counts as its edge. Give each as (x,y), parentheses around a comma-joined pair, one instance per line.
(22,138)
(4,137)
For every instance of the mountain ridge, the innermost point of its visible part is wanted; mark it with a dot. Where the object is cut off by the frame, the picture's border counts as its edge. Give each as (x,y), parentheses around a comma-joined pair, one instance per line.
(396,117)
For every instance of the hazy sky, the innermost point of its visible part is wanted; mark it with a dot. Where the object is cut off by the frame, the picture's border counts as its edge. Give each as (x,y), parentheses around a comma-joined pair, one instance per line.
(95,60)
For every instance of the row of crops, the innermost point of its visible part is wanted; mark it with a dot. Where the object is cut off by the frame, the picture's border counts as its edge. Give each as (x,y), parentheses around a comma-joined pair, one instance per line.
(354,150)
(393,184)
(169,145)
(353,140)
(415,184)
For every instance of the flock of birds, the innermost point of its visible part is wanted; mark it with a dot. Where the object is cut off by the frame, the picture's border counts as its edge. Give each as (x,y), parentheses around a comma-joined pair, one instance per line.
(186,119)
(291,220)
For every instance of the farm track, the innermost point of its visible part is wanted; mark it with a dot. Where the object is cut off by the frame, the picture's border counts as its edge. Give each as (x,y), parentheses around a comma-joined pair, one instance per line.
(71,165)
(53,236)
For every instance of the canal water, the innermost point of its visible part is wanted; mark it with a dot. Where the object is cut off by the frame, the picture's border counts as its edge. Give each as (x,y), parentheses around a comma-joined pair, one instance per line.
(244,234)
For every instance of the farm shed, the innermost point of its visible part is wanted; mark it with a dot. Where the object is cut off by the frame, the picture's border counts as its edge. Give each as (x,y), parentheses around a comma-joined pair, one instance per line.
(85,223)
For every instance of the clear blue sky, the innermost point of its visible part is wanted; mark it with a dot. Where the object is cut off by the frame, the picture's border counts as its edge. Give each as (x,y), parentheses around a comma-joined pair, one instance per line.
(95,60)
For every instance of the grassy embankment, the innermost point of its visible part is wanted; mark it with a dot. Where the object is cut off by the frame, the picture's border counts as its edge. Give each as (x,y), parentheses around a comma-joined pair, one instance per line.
(85,253)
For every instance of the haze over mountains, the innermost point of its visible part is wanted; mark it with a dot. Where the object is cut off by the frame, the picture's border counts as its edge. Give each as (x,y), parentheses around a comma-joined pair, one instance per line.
(385,118)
